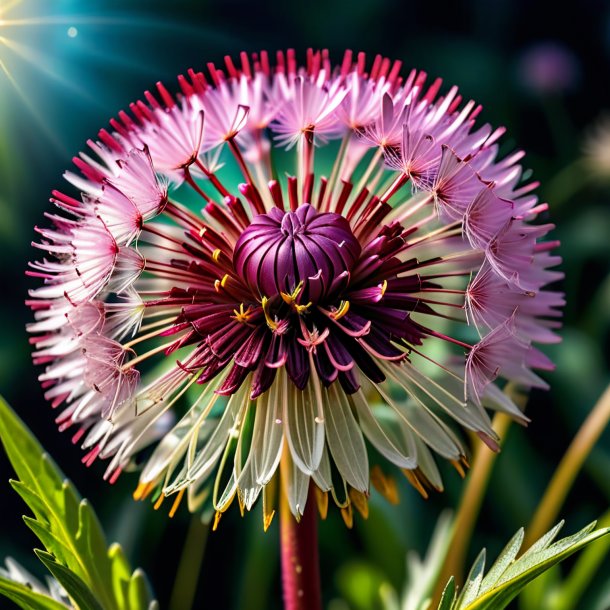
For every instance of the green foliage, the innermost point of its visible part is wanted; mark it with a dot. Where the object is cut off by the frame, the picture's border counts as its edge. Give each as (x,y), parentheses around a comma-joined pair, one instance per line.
(509,574)
(361,584)
(26,598)
(423,574)
(94,576)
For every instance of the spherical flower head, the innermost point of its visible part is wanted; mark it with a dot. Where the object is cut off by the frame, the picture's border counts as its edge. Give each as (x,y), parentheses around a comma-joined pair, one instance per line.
(315,328)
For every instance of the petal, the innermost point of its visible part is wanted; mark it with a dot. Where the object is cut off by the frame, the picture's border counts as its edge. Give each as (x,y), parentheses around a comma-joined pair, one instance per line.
(345,440)
(304,425)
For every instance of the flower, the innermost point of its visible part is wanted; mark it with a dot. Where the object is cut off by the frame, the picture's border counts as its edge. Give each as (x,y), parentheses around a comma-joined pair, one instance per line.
(254,308)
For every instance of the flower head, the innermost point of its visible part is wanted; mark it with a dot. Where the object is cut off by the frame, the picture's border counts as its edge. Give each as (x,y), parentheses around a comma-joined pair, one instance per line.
(252,325)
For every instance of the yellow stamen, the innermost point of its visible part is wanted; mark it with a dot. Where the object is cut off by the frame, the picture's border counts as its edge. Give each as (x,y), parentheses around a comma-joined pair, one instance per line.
(216,254)
(242,315)
(143,490)
(458,466)
(302,309)
(322,501)
(176,503)
(159,501)
(348,516)
(360,501)
(271,323)
(291,299)
(269,501)
(267,519)
(294,295)
(217,517)
(414,480)
(385,485)
(384,287)
(341,310)
(218,284)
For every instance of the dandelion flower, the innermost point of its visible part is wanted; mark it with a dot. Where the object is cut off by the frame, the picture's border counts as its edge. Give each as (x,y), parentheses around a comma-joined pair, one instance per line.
(320,267)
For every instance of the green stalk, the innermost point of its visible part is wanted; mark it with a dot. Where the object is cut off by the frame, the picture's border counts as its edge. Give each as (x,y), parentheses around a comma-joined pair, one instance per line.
(470,506)
(569,467)
(187,576)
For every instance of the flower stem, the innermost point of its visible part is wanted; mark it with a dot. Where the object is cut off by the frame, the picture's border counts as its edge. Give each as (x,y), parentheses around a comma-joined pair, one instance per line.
(568,468)
(299,548)
(472,499)
(470,504)
(185,585)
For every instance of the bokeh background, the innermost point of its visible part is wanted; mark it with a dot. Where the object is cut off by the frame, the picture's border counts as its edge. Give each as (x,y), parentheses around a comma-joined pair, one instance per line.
(67,66)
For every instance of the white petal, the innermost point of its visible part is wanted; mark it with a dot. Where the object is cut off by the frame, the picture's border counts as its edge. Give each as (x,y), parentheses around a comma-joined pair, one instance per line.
(403,457)
(426,425)
(303,425)
(227,427)
(268,429)
(345,439)
(323,477)
(297,487)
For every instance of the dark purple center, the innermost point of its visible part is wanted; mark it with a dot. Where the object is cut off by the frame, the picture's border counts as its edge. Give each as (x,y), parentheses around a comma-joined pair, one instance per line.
(279,250)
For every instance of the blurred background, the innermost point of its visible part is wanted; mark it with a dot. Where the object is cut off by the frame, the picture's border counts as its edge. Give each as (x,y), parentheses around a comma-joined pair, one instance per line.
(67,66)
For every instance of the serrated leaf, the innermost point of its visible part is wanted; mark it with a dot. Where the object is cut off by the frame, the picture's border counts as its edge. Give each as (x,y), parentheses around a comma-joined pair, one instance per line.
(473,581)
(25,598)
(67,525)
(74,586)
(448,596)
(506,557)
(510,575)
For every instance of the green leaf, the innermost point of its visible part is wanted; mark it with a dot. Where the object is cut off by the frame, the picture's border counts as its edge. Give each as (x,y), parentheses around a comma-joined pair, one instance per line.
(473,582)
(360,584)
(509,575)
(67,526)
(27,599)
(448,596)
(423,574)
(74,586)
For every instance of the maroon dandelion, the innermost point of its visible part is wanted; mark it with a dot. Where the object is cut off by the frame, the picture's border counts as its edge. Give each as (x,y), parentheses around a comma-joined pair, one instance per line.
(241,302)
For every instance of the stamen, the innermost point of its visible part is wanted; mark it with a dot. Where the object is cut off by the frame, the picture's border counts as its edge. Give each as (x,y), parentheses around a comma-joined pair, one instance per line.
(291,299)
(360,501)
(176,503)
(341,310)
(157,504)
(241,315)
(143,490)
(322,502)
(271,323)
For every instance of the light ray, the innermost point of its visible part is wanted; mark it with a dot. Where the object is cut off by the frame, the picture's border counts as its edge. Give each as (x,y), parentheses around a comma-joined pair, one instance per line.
(40,120)
(36,60)
(7,7)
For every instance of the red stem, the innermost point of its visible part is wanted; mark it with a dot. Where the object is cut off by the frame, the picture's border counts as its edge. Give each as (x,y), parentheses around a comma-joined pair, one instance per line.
(299,546)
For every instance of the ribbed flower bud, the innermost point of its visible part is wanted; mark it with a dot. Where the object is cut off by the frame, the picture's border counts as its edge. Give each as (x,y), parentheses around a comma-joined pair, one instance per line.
(281,249)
